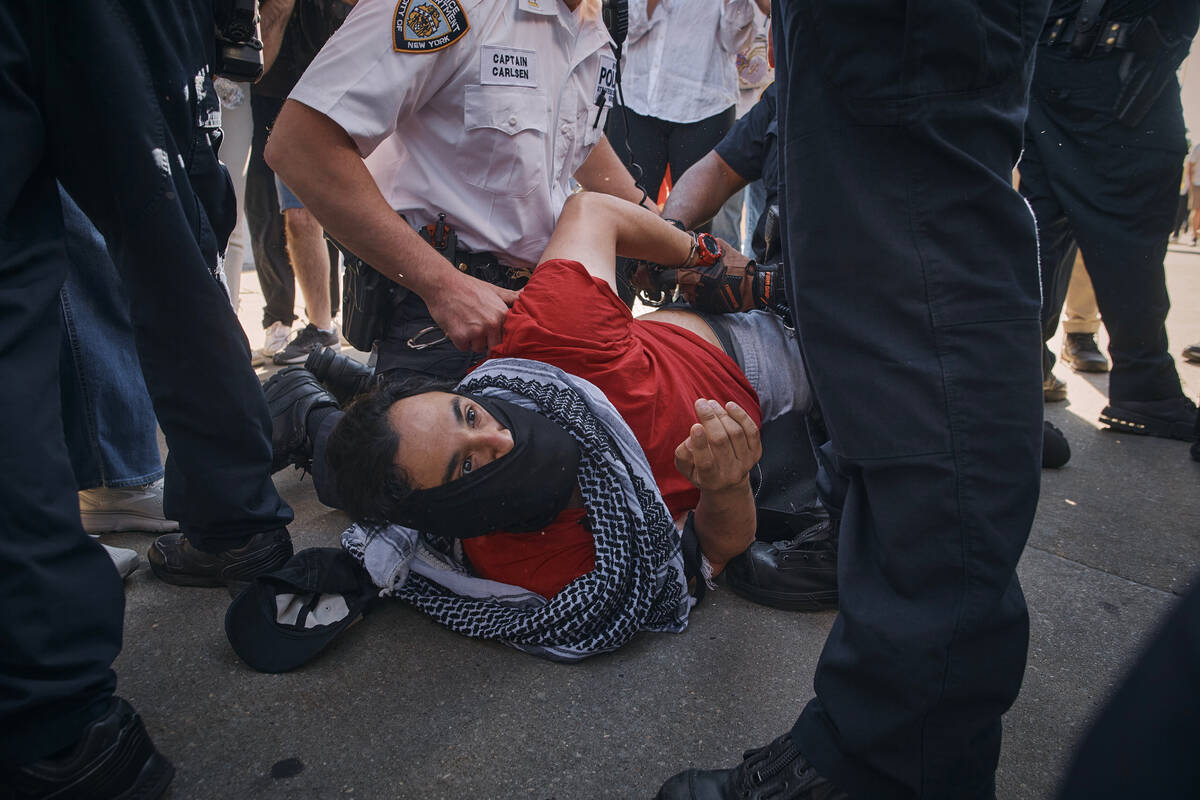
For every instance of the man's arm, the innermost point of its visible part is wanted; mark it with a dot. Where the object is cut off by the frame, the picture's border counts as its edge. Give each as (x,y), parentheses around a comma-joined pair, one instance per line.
(721,449)
(273,18)
(318,161)
(701,191)
(602,171)
(594,229)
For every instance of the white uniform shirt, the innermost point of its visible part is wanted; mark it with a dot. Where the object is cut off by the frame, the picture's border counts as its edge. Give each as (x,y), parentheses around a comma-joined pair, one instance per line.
(680,64)
(487,125)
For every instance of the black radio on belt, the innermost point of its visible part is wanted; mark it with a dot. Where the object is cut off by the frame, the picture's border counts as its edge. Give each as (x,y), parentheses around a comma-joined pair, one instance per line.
(482,265)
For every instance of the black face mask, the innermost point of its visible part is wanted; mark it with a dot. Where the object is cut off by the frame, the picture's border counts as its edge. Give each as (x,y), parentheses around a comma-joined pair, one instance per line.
(523,490)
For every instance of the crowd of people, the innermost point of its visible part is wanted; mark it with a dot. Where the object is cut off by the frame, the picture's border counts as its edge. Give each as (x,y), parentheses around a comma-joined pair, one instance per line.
(804,417)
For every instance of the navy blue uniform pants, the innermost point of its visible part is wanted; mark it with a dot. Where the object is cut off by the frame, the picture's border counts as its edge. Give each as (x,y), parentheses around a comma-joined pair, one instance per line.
(1113,190)
(112,98)
(914,280)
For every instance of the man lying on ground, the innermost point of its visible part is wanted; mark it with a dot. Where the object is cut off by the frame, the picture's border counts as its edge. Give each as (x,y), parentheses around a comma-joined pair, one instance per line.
(570,461)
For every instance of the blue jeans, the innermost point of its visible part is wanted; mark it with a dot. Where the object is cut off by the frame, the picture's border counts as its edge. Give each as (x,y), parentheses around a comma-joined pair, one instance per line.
(107,415)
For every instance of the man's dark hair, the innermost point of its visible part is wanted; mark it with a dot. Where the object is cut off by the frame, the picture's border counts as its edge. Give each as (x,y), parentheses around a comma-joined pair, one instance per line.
(362,448)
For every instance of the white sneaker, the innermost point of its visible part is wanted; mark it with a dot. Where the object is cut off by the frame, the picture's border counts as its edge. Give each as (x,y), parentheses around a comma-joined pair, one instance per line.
(140,508)
(275,337)
(124,559)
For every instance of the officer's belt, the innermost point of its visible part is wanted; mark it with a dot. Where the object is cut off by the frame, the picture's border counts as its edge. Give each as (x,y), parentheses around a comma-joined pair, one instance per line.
(1093,37)
(478,264)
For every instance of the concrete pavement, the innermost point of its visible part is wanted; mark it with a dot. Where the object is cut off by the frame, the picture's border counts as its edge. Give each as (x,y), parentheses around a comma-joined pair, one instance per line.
(401,708)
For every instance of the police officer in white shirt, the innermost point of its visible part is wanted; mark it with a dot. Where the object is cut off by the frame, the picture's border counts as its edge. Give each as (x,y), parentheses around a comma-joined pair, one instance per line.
(481,110)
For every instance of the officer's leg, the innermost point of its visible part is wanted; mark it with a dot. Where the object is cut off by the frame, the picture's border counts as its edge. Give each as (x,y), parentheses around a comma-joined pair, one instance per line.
(164,204)
(1118,186)
(61,627)
(1124,248)
(1131,289)
(940,448)
(1056,238)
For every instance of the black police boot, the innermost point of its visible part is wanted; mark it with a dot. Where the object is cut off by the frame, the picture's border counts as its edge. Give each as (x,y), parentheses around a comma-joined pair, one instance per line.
(175,560)
(1056,451)
(344,377)
(778,771)
(1170,419)
(292,394)
(797,574)
(1080,353)
(113,759)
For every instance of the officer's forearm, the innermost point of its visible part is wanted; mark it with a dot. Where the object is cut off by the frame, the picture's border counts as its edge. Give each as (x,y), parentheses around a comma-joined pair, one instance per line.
(320,163)
(602,171)
(701,191)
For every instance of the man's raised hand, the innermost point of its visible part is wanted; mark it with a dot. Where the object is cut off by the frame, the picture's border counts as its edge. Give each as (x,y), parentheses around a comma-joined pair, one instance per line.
(721,448)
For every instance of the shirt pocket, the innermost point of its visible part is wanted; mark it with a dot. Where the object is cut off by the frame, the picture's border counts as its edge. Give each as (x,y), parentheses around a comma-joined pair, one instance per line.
(503,148)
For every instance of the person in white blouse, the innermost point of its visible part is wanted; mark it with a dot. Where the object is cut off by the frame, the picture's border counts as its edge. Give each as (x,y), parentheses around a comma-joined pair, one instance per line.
(679,82)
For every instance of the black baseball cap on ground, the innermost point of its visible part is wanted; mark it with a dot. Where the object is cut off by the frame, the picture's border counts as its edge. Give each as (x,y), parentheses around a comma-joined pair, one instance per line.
(284,618)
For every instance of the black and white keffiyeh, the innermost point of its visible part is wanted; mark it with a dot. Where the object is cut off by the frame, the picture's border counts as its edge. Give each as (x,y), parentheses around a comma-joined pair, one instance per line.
(638,581)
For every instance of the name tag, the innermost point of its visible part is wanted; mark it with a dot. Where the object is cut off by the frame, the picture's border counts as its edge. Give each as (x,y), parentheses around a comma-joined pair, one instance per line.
(606,83)
(507,66)
(544,7)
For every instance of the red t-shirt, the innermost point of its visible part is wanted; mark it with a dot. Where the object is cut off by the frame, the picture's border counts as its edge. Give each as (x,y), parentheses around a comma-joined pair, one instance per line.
(652,372)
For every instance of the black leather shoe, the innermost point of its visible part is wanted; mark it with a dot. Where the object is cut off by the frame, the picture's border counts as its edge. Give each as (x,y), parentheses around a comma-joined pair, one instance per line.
(291,394)
(1079,351)
(797,574)
(174,560)
(339,373)
(113,759)
(1055,449)
(1192,353)
(778,771)
(1171,419)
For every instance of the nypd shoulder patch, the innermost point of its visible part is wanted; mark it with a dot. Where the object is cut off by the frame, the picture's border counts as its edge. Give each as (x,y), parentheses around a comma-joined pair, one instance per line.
(426,26)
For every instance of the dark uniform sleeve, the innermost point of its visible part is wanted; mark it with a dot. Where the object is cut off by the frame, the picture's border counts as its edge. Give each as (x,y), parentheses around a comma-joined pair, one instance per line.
(744,147)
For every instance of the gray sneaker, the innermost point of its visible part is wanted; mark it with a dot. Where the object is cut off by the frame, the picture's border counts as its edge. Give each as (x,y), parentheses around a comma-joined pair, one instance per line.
(309,338)
(136,508)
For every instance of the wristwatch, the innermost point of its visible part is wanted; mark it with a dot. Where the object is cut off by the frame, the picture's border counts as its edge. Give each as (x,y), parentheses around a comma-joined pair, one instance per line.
(708,250)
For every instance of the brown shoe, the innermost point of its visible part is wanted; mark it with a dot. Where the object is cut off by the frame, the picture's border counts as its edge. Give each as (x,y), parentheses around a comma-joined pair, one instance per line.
(1080,353)
(174,560)
(1053,389)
